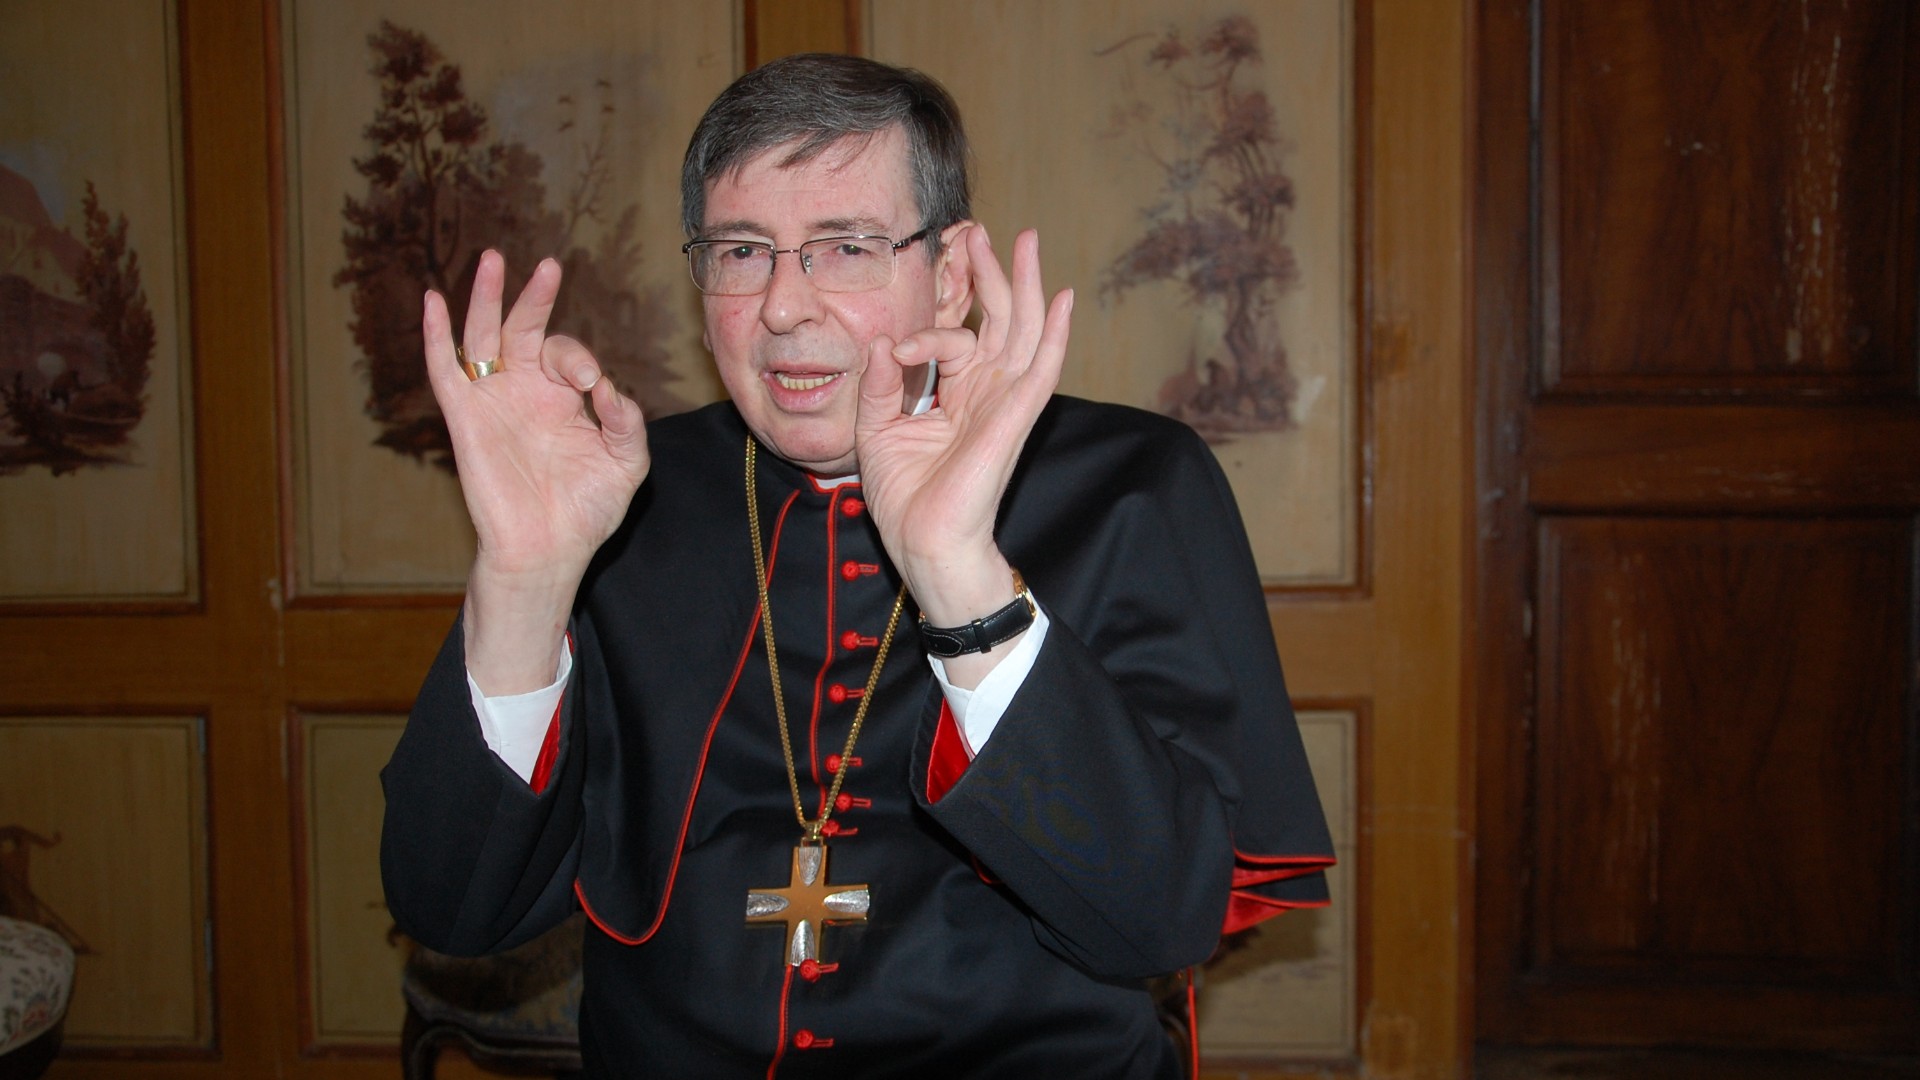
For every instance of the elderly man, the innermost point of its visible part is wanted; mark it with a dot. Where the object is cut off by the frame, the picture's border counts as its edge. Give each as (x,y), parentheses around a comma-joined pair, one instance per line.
(895,717)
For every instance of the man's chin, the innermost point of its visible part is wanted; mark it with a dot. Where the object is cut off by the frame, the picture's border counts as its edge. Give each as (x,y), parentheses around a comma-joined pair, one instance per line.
(819,456)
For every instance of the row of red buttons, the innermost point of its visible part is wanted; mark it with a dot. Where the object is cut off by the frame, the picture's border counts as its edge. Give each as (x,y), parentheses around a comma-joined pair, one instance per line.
(839,694)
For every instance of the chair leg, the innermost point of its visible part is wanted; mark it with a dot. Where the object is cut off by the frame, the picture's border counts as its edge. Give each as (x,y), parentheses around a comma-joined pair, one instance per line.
(419,1049)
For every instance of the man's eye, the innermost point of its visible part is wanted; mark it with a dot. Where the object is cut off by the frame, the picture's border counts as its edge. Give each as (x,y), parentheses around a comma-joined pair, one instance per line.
(850,249)
(740,252)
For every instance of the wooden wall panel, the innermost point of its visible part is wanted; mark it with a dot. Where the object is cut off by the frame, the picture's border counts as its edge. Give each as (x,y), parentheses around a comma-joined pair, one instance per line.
(1720,774)
(97,496)
(1237,317)
(592,111)
(1289,989)
(1694,233)
(103,838)
(352,962)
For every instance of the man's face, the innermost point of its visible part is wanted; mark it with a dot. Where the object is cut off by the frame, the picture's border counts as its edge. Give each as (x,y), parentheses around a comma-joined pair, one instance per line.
(791,357)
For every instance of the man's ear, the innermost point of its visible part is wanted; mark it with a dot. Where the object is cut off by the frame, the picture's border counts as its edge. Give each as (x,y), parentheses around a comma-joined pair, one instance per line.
(953,277)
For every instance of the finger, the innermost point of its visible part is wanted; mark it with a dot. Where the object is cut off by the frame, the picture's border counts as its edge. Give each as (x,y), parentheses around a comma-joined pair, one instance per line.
(990,288)
(943,345)
(1029,300)
(879,386)
(443,363)
(566,361)
(481,336)
(621,423)
(1051,354)
(526,325)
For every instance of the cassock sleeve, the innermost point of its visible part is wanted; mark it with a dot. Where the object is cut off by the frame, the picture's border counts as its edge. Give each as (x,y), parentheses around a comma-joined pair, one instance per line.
(474,860)
(1147,788)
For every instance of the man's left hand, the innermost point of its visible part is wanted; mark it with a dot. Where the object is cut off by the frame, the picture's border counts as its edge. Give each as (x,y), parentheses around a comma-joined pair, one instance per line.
(934,481)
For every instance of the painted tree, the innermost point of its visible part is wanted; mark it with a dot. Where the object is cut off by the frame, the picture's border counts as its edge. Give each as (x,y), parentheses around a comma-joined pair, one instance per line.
(77,411)
(1219,227)
(441,188)
(109,279)
(431,179)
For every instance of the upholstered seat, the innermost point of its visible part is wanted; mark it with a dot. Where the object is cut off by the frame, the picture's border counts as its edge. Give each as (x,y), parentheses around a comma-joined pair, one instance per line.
(519,1009)
(36,979)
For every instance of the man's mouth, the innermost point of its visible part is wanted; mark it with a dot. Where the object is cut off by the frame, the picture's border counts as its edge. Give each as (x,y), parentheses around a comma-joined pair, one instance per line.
(803,382)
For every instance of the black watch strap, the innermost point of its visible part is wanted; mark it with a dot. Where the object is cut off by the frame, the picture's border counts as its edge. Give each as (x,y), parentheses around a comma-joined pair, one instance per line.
(981,634)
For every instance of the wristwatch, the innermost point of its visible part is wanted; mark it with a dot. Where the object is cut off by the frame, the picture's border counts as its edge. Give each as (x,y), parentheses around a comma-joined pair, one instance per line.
(982,634)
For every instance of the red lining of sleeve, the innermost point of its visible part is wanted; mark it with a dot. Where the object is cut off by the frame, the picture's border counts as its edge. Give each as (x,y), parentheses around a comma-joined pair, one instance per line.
(1245,877)
(549,746)
(549,749)
(1245,910)
(949,758)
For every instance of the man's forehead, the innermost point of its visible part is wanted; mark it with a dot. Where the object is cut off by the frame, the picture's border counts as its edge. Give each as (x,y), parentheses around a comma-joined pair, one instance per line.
(868,169)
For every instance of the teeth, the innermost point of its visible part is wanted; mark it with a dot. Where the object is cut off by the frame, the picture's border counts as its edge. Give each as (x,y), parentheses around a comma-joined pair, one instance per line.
(792,383)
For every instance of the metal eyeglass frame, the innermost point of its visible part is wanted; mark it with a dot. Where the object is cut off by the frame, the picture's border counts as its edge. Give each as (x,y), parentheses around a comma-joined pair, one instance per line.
(806,263)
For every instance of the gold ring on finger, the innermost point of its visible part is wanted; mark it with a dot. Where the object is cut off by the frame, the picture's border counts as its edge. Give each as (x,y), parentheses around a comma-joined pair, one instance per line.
(479,369)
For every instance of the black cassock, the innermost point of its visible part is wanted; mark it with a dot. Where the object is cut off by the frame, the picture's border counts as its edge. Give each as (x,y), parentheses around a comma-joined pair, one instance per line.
(1145,790)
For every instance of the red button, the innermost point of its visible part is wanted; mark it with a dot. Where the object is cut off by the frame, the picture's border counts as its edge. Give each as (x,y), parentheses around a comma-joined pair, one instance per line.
(843,803)
(810,970)
(833,763)
(839,694)
(849,569)
(852,507)
(803,1038)
(831,828)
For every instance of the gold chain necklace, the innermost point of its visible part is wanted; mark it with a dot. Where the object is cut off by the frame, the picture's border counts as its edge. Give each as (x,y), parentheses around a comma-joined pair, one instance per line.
(808,902)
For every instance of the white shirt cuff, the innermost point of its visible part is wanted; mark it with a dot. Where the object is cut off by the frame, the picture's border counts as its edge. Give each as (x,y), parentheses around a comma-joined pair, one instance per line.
(515,725)
(978,711)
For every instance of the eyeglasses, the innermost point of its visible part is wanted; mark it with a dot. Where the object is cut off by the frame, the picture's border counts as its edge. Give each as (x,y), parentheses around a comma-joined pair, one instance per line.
(833,263)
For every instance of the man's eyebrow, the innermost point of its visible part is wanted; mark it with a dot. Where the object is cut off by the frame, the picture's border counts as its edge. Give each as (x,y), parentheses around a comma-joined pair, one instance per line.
(736,227)
(861,226)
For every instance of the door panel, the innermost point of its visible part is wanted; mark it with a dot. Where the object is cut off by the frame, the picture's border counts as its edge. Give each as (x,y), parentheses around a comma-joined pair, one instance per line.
(1698,471)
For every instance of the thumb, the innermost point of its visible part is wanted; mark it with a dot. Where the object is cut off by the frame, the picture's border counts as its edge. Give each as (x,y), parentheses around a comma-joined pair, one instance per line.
(880,386)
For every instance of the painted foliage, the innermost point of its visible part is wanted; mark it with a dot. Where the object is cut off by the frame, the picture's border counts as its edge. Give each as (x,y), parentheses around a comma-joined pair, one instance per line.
(440,188)
(76,335)
(1194,110)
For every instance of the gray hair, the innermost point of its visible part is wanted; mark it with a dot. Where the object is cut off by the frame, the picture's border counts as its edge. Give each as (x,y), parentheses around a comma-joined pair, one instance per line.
(817,100)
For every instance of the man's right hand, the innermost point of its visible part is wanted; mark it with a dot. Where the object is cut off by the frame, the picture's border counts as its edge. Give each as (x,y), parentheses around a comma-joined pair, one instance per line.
(544,484)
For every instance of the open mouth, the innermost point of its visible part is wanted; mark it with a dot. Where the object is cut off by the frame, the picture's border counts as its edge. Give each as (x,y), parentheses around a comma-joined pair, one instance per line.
(802,382)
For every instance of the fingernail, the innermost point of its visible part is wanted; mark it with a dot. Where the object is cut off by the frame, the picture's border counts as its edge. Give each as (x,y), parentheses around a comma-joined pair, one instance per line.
(584,378)
(906,350)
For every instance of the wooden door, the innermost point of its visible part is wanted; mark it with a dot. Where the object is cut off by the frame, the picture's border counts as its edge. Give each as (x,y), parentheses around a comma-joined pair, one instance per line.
(1698,471)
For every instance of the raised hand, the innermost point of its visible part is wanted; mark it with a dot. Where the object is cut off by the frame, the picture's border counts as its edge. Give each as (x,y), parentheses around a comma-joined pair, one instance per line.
(934,481)
(544,483)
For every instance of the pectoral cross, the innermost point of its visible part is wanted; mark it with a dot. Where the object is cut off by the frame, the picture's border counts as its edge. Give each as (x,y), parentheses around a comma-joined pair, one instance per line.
(807,904)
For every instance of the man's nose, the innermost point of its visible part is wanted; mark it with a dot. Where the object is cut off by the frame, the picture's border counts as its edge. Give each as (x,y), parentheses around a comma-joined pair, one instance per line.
(791,299)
